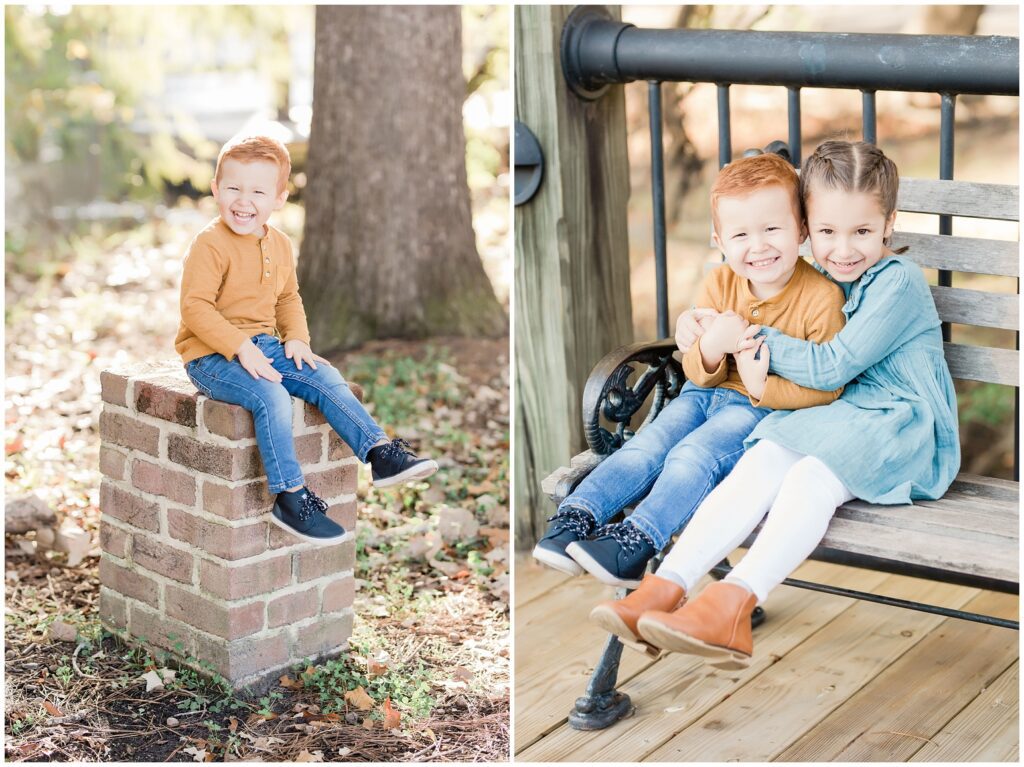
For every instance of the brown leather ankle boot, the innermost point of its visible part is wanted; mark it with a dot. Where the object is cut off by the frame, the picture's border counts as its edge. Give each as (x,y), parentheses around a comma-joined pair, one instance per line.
(620,616)
(715,624)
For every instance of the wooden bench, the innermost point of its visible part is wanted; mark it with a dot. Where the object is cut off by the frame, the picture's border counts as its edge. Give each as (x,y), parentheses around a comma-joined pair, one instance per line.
(970,536)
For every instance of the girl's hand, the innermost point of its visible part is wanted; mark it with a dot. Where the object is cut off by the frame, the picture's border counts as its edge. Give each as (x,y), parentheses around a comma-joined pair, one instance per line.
(691,325)
(299,352)
(748,340)
(753,372)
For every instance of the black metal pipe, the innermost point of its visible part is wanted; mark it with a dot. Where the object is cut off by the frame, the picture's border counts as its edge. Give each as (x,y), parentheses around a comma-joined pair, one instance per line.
(867,596)
(947,122)
(724,128)
(597,50)
(869,131)
(794,126)
(658,205)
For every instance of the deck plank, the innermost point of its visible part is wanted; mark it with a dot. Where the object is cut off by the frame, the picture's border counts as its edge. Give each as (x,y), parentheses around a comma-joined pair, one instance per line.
(534,580)
(791,697)
(902,709)
(988,730)
(678,689)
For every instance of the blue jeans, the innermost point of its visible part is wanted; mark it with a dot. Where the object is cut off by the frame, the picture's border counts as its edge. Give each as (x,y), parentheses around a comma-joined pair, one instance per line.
(675,461)
(271,405)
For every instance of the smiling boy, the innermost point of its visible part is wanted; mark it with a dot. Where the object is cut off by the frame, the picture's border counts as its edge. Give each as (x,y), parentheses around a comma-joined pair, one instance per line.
(677,459)
(243,338)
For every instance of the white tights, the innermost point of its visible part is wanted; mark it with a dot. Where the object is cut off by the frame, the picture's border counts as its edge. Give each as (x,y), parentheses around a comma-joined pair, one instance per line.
(798,492)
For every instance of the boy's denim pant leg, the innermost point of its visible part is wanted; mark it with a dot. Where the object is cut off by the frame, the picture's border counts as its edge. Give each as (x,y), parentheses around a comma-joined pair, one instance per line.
(271,406)
(675,461)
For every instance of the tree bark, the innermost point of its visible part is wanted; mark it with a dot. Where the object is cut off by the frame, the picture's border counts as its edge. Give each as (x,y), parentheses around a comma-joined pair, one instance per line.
(388,248)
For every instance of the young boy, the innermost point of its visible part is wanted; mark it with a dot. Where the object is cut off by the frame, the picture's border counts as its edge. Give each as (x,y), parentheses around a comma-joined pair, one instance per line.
(243,338)
(695,441)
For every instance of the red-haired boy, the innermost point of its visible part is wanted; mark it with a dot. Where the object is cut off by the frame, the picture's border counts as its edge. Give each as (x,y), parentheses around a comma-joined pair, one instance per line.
(243,338)
(675,461)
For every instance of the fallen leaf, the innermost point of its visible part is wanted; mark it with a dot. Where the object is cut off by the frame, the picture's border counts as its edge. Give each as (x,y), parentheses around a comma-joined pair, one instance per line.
(367,723)
(198,754)
(359,698)
(306,756)
(484,487)
(463,674)
(154,682)
(233,725)
(430,734)
(52,709)
(288,683)
(392,718)
(344,751)
(373,668)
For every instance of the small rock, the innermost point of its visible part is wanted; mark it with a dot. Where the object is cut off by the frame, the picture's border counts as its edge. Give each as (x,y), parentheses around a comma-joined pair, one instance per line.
(352,717)
(455,524)
(454,636)
(62,632)
(172,722)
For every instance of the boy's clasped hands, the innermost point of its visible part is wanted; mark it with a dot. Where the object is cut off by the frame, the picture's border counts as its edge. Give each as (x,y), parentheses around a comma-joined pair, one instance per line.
(259,365)
(724,333)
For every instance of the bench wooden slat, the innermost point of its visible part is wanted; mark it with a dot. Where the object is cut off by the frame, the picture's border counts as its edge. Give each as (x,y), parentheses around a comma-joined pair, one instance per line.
(959,198)
(978,363)
(987,487)
(961,254)
(972,520)
(977,307)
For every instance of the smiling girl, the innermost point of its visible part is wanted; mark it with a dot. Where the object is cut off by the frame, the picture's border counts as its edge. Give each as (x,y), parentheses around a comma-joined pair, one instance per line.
(890,438)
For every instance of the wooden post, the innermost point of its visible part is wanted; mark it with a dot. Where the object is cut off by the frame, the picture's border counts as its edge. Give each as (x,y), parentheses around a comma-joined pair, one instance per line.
(572,302)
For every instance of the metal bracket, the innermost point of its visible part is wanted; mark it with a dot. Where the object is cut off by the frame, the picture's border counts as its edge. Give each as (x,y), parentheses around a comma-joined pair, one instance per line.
(529,164)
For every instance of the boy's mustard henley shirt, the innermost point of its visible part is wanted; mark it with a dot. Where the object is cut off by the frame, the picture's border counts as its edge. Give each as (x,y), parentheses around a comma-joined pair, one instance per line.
(234,287)
(809,307)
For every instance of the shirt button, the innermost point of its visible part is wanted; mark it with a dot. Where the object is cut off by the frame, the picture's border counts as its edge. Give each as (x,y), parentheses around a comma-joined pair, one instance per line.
(266,260)
(754,312)
(266,274)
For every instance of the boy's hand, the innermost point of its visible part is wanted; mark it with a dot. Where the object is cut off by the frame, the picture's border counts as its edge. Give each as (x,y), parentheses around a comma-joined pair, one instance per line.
(691,325)
(748,339)
(299,352)
(256,362)
(721,338)
(753,372)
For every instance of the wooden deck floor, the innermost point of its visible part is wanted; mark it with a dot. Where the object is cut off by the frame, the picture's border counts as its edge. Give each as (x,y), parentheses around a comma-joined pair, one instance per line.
(833,679)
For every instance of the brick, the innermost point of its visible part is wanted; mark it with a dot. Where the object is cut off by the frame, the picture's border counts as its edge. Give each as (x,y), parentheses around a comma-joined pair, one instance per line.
(114,541)
(218,460)
(322,637)
(169,398)
(231,421)
(160,480)
(129,432)
(114,388)
(163,559)
(337,448)
(311,415)
(113,609)
(280,538)
(238,582)
(129,582)
(339,480)
(219,620)
(220,540)
(243,657)
(324,560)
(249,500)
(339,595)
(309,448)
(344,514)
(160,631)
(113,462)
(290,608)
(122,505)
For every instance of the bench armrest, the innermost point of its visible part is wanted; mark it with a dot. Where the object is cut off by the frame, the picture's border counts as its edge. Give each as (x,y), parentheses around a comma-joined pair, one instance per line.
(609,394)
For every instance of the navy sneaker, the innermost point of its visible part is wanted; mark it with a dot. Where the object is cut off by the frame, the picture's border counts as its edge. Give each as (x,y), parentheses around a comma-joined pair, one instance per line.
(566,526)
(617,555)
(303,514)
(394,463)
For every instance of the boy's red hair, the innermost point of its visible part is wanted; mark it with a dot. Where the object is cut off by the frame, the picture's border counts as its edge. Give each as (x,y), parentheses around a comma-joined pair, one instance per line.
(253,148)
(751,174)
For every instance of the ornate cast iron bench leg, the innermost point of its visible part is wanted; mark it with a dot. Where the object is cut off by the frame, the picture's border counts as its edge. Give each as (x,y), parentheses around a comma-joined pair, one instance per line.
(602,705)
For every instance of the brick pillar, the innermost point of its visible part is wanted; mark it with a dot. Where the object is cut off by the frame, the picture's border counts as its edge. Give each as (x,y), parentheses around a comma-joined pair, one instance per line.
(191,563)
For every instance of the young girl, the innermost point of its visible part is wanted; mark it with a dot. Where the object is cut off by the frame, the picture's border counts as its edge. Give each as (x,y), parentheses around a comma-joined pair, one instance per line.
(890,438)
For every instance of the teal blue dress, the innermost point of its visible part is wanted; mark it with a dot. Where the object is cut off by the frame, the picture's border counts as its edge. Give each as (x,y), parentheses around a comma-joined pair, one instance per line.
(892,435)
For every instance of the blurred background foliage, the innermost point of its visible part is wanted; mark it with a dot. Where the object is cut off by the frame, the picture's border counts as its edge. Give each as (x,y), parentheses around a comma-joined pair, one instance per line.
(115,115)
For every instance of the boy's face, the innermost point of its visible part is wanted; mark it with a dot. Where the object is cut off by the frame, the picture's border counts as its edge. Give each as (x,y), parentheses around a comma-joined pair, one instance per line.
(760,236)
(247,194)
(847,232)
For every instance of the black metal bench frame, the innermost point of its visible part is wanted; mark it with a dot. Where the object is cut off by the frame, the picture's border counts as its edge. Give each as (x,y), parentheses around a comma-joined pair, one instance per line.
(597,52)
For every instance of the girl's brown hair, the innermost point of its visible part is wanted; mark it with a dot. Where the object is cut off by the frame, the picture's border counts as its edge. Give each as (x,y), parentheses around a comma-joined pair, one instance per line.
(853,166)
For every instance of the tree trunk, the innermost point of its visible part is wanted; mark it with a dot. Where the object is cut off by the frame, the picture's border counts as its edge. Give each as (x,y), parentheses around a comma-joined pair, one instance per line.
(388,249)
